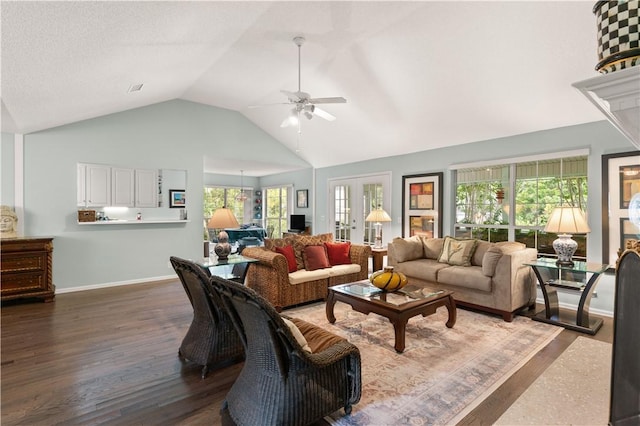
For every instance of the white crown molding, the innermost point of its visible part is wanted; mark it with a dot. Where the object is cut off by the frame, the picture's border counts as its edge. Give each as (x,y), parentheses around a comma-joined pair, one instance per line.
(617,95)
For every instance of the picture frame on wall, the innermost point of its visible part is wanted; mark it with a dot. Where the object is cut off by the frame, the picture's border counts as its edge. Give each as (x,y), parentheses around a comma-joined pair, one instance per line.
(628,231)
(302,198)
(422,205)
(620,203)
(177,199)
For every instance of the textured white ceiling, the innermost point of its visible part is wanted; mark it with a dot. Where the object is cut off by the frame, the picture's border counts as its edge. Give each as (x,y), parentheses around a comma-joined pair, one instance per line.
(416,75)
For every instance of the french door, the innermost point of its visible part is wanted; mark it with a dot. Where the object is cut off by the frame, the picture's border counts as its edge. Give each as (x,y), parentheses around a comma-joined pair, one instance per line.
(351,200)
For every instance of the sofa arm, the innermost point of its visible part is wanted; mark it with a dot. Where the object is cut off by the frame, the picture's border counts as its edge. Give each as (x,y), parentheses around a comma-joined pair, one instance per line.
(514,282)
(360,255)
(269,276)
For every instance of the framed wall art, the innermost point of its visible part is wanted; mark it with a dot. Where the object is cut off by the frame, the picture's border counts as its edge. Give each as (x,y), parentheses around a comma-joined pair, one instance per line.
(422,205)
(620,202)
(629,231)
(302,201)
(177,199)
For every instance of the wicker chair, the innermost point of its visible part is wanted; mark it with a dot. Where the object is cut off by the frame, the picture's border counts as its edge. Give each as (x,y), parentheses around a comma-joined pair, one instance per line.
(212,340)
(280,383)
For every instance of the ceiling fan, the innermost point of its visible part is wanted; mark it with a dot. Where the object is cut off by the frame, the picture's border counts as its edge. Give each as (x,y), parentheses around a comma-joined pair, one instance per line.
(303,103)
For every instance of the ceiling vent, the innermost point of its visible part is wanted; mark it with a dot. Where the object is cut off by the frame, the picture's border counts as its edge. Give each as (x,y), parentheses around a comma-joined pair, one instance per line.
(135,88)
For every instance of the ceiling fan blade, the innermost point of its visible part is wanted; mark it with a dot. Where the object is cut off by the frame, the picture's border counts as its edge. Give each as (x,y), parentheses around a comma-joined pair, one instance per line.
(336,100)
(323,114)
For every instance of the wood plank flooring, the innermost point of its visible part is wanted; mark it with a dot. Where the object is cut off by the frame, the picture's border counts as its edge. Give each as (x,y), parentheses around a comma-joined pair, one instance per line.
(109,356)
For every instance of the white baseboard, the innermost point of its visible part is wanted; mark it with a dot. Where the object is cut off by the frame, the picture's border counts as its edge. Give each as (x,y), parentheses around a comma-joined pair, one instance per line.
(575,308)
(115,284)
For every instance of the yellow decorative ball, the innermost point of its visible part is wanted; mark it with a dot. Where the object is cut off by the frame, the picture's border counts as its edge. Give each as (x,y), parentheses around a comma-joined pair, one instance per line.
(388,279)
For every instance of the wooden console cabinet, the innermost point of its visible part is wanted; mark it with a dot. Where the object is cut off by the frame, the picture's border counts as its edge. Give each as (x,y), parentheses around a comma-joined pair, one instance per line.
(26,268)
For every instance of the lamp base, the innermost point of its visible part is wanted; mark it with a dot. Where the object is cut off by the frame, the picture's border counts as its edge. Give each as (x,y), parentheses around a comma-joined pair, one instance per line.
(565,247)
(223,248)
(378,239)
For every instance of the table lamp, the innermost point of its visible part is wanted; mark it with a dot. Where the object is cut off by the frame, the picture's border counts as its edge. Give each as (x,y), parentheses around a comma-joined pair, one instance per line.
(565,221)
(378,215)
(221,219)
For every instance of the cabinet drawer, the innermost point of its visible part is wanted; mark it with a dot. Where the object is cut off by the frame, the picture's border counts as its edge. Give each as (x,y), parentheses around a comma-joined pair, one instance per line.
(21,282)
(23,262)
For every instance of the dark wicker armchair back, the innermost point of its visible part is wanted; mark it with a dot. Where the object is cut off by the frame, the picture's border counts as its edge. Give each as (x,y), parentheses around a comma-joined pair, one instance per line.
(281,384)
(258,324)
(212,339)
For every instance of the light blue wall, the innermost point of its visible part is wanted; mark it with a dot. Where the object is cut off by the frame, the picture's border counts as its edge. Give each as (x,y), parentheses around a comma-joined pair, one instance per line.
(170,135)
(7,173)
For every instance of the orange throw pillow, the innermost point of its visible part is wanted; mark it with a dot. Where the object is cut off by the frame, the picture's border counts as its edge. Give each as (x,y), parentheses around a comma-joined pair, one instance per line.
(287,251)
(315,257)
(338,253)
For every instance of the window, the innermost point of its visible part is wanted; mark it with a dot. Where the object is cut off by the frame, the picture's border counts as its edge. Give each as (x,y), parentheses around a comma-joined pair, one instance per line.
(218,197)
(277,211)
(512,202)
(372,200)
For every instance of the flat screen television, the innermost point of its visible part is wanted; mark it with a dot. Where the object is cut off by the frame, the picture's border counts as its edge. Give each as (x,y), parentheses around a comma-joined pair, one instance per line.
(296,222)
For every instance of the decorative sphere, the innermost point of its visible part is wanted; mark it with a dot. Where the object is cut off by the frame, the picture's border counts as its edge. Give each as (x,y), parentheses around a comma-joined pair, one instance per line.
(388,279)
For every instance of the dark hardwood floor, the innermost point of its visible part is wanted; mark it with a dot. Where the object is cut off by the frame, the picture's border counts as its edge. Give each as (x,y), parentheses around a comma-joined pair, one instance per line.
(109,356)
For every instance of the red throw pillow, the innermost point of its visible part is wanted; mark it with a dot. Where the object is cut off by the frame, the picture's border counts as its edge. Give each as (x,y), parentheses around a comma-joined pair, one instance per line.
(287,251)
(338,253)
(315,257)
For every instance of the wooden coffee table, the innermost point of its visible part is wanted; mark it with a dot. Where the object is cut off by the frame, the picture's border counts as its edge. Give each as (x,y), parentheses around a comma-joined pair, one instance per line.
(397,306)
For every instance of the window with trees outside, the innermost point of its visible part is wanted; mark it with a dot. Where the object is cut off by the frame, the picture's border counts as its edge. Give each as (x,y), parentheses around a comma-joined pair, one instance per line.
(512,202)
(276,210)
(218,197)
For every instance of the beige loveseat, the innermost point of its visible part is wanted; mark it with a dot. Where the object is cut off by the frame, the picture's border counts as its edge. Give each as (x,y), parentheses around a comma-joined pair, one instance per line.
(496,279)
(270,277)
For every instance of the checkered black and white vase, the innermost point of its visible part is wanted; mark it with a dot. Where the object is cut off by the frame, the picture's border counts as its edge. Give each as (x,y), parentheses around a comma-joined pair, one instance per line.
(618,35)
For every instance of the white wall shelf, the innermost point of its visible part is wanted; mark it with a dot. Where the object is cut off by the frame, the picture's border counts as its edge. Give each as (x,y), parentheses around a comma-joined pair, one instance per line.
(132,222)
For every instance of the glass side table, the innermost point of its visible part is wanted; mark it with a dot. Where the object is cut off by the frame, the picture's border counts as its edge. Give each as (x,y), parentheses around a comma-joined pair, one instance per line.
(233,269)
(582,277)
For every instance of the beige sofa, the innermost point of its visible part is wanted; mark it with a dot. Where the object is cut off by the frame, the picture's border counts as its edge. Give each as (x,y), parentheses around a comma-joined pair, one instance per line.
(270,277)
(496,279)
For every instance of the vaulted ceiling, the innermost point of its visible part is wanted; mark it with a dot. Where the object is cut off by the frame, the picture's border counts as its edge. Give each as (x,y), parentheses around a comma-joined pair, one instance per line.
(416,75)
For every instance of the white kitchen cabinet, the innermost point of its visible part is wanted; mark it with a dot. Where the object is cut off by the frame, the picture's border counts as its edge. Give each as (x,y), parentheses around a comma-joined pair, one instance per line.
(146,188)
(82,187)
(101,185)
(122,187)
(98,185)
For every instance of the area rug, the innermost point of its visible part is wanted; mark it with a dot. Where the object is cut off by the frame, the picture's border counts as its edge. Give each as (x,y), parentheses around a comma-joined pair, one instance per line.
(442,374)
(574,390)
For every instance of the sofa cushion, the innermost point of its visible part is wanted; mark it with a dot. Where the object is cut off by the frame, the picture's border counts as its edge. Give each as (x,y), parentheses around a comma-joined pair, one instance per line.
(302,276)
(338,253)
(425,269)
(478,254)
(407,249)
(301,241)
(432,247)
(337,270)
(287,252)
(315,257)
(457,252)
(490,260)
(318,338)
(465,276)
(297,334)
(272,243)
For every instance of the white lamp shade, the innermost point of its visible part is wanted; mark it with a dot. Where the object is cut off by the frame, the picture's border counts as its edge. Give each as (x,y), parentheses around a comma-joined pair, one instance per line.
(378,215)
(567,220)
(223,218)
